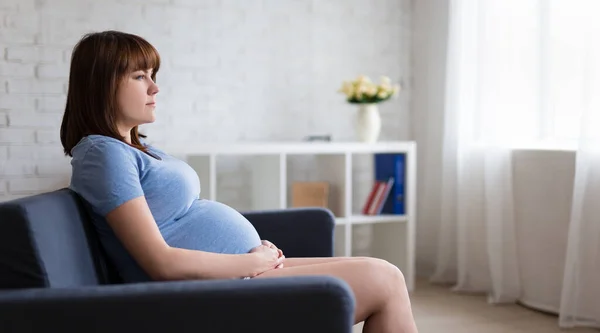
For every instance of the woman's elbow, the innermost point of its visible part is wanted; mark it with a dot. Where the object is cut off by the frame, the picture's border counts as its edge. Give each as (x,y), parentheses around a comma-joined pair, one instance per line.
(159,275)
(162,268)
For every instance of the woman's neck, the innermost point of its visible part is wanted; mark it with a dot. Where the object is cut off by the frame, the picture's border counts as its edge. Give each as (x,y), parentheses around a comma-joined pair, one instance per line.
(126,134)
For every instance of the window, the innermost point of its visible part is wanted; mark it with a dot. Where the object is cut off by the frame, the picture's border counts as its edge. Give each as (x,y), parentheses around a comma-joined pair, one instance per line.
(568,34)
(522,73)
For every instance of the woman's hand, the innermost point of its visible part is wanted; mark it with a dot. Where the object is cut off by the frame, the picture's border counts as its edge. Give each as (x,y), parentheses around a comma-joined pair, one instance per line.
(268,258)
(271,245)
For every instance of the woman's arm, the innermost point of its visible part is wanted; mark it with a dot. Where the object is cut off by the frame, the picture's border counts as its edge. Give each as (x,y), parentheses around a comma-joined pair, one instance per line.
(134,225)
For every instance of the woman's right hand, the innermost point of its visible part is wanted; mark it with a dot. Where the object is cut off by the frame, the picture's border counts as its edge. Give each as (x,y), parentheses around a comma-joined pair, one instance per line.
(268,258)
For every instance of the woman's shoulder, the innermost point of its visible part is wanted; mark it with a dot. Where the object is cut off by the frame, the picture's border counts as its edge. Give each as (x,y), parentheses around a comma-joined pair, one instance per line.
(152,147)
(93,146)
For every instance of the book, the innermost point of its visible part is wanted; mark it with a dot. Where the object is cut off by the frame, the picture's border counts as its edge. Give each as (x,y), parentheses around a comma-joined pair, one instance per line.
(377,199)
(387,187)
(370,197)
(392,165)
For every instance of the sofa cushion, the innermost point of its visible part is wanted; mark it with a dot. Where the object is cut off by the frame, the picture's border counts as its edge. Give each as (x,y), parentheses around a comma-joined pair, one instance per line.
(46,240)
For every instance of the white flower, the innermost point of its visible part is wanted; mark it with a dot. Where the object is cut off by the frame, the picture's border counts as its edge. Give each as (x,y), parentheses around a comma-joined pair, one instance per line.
(362,79)
(385,87)
(371,91)
(347,88)
(362,87)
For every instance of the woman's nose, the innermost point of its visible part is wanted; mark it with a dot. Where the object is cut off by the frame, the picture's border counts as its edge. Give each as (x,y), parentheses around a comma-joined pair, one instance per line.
(153,90)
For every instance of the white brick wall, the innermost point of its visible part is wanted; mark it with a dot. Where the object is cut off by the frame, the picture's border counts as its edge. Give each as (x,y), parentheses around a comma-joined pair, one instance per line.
(16,70)
(16,136)
(232,70)
(16,102)
(33,54)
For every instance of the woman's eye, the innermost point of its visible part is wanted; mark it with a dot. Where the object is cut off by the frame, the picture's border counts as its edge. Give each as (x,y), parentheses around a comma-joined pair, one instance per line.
(140,77)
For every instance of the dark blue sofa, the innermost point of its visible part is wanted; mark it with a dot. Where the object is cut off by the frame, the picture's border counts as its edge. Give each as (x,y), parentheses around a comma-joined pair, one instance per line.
(54,277)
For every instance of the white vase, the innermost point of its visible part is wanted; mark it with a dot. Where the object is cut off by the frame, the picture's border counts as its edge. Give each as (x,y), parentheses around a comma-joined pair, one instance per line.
(368,123)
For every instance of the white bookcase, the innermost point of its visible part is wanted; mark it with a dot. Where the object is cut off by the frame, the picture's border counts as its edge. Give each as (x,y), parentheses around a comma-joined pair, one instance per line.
(393,236)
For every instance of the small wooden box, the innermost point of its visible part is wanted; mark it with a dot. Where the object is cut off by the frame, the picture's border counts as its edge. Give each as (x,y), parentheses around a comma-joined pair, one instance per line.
(310,194)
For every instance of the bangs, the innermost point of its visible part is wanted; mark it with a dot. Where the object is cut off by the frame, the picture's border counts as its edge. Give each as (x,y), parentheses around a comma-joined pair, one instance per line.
(139,55)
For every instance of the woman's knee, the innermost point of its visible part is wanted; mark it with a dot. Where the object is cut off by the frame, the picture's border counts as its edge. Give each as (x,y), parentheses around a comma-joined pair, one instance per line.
(390,273)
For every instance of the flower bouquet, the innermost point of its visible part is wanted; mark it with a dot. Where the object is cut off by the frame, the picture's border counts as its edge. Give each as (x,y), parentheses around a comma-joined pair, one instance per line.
(367,95)
(362,91)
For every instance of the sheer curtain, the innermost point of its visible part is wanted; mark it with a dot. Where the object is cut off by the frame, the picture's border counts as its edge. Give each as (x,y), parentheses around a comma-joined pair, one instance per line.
(519,72)
(580,299)
(489,89)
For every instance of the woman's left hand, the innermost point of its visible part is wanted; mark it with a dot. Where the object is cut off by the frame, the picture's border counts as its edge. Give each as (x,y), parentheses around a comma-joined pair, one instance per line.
(271,245)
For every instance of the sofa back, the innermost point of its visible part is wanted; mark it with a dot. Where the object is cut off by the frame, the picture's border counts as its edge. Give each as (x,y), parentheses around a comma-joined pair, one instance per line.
(47,241)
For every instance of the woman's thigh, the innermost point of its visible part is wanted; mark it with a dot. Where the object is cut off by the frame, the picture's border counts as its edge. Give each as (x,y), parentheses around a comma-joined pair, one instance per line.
(371,280)
(293,262)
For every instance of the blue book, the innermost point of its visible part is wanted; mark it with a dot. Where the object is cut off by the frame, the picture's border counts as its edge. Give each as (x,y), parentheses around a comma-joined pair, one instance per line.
(392,166)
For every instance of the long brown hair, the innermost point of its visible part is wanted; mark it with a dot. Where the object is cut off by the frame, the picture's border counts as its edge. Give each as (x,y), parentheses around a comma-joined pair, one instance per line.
(99,62)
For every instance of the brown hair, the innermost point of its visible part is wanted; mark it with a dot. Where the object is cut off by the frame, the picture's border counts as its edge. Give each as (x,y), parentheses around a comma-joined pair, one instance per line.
(98,64)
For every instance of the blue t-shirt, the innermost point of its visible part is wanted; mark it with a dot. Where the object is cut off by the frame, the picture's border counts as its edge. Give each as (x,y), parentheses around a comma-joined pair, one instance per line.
(107,172)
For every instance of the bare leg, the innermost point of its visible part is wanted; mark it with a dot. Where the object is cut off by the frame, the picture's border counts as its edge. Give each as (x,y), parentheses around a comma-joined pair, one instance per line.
(382,299)
(293,262)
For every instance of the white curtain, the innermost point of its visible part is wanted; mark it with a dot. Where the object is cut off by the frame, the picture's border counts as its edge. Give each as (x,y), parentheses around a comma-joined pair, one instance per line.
(518,72)
(580,299)
(487,74)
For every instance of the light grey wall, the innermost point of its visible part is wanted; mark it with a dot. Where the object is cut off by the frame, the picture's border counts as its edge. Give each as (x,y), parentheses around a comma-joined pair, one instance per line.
(429,65)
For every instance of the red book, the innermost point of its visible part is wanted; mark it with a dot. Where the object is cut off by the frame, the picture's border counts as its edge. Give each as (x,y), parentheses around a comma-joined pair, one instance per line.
(384,196)
(370,198)
(375,203)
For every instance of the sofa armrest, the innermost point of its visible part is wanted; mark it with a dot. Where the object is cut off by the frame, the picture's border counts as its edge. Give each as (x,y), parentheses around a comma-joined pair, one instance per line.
(258,305)
(298,232)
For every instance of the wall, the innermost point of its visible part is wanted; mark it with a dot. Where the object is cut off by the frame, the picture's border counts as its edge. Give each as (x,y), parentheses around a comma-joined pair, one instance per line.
(429,54)
(233,70)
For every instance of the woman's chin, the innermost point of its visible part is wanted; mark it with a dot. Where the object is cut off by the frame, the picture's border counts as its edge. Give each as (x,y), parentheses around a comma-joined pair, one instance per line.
(146,121)
(151,118)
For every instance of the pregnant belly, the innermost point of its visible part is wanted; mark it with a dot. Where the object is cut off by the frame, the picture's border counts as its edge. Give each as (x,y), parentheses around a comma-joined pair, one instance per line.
(213,227)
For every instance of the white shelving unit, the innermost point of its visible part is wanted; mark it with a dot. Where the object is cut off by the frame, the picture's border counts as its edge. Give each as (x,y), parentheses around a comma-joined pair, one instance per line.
(393,235)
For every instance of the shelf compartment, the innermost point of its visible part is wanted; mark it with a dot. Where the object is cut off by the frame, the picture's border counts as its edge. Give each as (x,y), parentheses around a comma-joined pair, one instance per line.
(320,168)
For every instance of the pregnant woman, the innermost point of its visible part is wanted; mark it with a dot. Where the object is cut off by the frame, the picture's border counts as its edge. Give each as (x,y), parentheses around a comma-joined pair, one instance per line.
(145,204)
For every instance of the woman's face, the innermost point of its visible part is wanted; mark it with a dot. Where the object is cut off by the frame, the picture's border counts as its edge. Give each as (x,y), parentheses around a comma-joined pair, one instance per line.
(137,100)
